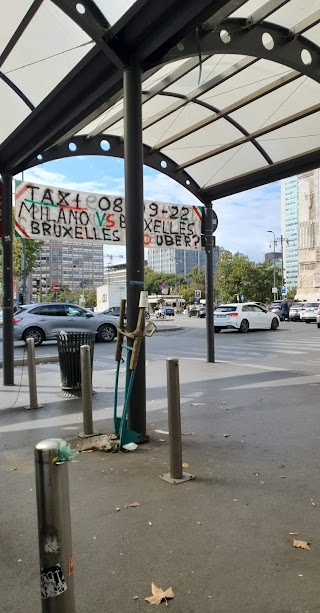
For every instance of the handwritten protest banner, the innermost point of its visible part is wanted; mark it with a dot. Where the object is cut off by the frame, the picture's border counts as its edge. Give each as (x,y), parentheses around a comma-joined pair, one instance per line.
(47,212)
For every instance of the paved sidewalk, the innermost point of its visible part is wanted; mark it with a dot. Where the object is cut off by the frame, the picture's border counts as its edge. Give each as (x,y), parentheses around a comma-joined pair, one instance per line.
(251,437)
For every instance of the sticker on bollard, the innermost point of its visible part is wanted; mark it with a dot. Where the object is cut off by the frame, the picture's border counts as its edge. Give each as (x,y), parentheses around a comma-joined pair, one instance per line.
(53,582)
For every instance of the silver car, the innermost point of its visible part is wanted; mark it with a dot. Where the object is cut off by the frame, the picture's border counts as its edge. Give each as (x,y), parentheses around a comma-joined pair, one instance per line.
(294,312)
(44,322)
(309,311)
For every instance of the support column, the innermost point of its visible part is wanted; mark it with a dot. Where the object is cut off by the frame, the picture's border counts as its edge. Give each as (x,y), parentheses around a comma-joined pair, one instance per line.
(134,208)
(7,279)
(209,242)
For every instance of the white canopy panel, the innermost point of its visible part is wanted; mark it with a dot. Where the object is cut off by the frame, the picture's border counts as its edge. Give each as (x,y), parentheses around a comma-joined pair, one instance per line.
(243,96)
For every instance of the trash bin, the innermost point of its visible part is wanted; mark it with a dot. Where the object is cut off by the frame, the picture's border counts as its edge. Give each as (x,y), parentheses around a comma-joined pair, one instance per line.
(69,344)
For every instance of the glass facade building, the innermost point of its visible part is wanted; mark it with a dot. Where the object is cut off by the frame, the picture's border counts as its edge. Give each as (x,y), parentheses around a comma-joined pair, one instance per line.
(290,229)
(179,261)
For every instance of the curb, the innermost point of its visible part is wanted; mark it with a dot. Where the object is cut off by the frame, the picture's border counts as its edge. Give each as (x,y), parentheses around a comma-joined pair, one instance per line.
(46,359)
(171,329)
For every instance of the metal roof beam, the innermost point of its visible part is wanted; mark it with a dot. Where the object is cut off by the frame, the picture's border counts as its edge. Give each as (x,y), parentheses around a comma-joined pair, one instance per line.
(146,34)
(199,91)
(93,23)
(85,146)
(254,135)
(168,80)
(265,11)
(263,91)
(306,24)
(268,174)
(20,30)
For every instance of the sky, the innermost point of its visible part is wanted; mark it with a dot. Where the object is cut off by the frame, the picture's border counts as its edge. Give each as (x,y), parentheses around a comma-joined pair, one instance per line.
(243,218)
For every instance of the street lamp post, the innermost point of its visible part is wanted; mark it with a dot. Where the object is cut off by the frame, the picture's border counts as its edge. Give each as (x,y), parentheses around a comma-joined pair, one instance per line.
(274,263)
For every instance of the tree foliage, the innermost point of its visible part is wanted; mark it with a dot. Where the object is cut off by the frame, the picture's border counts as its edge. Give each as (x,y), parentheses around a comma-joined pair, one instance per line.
(291,293)
(73,296)
(237,275)
(32,251)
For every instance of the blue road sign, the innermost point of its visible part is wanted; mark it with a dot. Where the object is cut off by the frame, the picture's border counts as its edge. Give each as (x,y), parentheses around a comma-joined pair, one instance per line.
(283,290)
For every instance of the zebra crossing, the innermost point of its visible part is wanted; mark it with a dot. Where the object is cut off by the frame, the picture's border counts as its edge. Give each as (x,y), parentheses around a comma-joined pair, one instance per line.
(243,348)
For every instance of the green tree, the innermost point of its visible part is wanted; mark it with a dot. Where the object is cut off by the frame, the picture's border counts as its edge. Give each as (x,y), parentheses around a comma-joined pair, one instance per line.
(154,280)
(237,275)
(32,251)
(291,293)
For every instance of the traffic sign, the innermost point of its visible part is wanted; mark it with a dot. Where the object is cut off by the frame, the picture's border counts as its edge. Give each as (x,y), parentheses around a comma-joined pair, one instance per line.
(164,288)
(274,290)
(56,288)
(283,291)
(197,294)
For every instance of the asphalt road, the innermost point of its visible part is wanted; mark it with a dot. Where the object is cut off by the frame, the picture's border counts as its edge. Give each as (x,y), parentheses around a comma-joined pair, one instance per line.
(292,344)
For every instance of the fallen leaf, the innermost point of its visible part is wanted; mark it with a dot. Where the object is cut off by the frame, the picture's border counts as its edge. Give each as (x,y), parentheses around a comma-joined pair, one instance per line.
(158,595)
(313,504)
(301,544)
(294,533)
(300,575)
(197,404)
(262,482)
(226,434)
(150,523)
(161,431)
(135,597)
(199,523)
(235,500)
(161,440)
(133,504)
(13,469)
(283,477)
(185,465)
(118,509)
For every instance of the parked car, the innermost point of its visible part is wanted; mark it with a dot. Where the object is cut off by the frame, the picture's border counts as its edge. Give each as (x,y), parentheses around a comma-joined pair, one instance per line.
(44,322)
(197,310)
(162,313)
(294,312)
(309,312)
(115,310)
(244,317)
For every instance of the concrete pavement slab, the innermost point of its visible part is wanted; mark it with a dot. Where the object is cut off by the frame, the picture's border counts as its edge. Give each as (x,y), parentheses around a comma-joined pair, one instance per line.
(221,541)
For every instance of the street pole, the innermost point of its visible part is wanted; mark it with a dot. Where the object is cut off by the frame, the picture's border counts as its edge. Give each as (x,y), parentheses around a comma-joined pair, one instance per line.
(282,273)
(274,262)
(134,210)
(208,235)
(7,279)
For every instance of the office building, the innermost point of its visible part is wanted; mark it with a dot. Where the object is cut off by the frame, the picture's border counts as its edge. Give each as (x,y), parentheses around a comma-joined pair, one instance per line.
(179,261)
(290,229)
(72,264)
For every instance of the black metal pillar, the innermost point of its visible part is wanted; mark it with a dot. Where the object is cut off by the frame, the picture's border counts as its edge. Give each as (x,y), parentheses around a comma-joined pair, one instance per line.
(134,207)
(7,279)
(209,243)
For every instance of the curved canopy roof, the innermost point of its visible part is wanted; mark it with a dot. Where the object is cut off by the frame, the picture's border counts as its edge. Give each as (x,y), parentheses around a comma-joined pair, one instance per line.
(231,89)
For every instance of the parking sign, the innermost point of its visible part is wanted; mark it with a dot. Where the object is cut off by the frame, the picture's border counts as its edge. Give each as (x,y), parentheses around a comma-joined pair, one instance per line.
(197,294)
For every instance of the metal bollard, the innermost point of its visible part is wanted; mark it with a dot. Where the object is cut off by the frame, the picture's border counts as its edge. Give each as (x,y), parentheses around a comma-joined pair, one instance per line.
(32,375)
(86,385)
(176,474)
(54,529)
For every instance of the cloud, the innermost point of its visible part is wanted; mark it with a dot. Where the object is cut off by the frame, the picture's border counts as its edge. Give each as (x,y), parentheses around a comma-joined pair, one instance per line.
(243,218)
